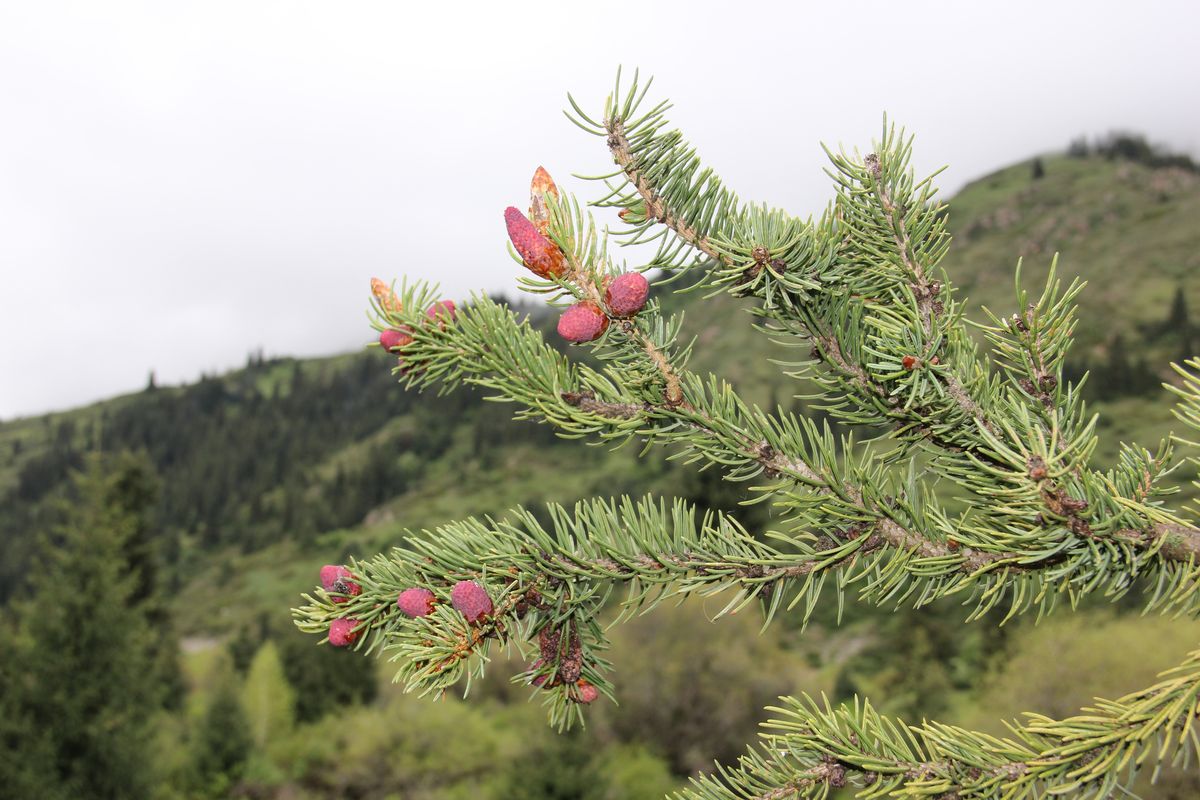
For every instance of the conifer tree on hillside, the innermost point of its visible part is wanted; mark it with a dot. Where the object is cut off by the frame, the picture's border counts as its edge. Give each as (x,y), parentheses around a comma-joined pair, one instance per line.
(87,670)
(859,294)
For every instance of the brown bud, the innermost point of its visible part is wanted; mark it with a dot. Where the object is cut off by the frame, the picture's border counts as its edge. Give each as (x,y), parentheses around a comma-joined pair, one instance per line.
(539,210)
(1037,468)
(384,294)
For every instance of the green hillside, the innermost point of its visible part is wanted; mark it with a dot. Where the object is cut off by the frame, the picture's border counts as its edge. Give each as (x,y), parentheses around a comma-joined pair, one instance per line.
(267,472)
(1128,229)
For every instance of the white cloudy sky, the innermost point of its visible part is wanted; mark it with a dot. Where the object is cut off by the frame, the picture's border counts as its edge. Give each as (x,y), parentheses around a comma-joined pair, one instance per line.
(182,183)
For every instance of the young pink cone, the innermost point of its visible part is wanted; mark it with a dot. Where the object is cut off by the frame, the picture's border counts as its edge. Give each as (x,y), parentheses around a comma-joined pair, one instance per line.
(541,255)
(336,580)
(394,338)
(441,312)
(587,692)
(416,602)
(471,600)
(330,573)
(582,322)
(342,633)
(627,294)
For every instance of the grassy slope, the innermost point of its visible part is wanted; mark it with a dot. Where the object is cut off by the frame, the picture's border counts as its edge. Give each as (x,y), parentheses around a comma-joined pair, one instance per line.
(1127,230)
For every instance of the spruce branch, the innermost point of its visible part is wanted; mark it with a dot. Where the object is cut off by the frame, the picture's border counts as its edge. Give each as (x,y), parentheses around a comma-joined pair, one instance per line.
(811,748)
(869,266)
(829,496)
(861,290)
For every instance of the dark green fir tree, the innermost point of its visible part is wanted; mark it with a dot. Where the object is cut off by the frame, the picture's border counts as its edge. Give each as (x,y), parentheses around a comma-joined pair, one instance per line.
(84,675)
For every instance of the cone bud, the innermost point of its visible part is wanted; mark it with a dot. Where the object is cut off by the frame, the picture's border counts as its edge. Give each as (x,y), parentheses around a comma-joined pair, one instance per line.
(471,600)
(539,210)
(342,633)
(582,322)
(586,692)
(627,294)
(539,254)
(416,602)
(384,294)
(337,581)
(394,337)
(441,312)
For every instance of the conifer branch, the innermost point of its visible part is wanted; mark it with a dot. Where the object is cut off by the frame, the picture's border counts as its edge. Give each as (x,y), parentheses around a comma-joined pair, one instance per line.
(862,289)
(963,411)
(654,207)
(813,747)
(802,463)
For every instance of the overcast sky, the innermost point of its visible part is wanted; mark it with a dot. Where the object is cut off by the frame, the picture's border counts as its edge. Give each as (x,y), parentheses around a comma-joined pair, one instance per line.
(182,183)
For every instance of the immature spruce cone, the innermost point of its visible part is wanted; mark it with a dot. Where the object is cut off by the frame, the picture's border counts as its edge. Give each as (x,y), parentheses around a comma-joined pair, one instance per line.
(587,693)
(582,322)
(471,600)
(542,681)
(387,298)
(441,312)
(337,581)
(342,633)
(541,255)
(415,602)
(390,339)
(539,210)
(627,294)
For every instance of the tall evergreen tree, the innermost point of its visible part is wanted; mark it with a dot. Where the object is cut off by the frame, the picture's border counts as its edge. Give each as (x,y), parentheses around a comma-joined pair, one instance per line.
(84,650)
(222,742)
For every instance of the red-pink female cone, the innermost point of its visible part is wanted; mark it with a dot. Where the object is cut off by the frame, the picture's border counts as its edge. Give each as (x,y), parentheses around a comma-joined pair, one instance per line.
(336,580)
(627,294)
(540,680)
(587,692)
(394,338)
(471,600)
(540,254)
(416,602)
(582,322)
(342,633)
(441,312)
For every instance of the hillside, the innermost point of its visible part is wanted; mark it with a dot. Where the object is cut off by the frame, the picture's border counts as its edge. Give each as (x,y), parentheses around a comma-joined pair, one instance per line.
(1128,229)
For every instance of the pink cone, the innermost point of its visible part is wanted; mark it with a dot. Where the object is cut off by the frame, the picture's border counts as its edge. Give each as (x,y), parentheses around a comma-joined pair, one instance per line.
(416,602)
(541,255)
(471,600)
(342,633)
(394,338)
(582,322)
(540,680)
(627,294)
(441,312)
(337,581)
(587,692)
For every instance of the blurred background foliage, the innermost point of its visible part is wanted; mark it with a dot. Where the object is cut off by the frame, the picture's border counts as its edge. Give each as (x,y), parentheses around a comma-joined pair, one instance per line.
(151,547)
